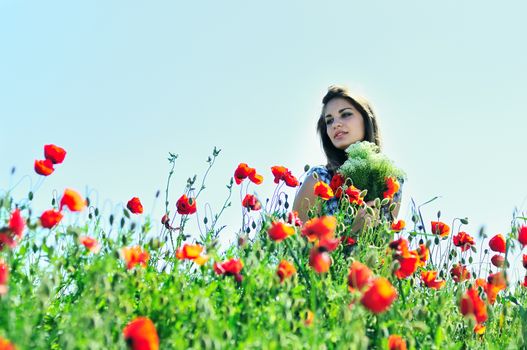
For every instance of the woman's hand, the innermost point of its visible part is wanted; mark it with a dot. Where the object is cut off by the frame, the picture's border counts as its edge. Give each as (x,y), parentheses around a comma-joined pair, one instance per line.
(363,218)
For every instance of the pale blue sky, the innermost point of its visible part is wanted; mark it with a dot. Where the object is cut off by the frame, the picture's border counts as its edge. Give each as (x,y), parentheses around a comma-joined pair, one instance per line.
(119,84)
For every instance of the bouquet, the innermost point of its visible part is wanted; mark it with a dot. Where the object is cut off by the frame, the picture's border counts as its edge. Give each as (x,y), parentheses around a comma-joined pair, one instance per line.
(369,169)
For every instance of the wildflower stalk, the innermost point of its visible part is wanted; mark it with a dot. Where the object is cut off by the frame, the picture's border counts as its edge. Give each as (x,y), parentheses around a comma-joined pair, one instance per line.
(301,269)
(226,204)
(401,290)
(172,160)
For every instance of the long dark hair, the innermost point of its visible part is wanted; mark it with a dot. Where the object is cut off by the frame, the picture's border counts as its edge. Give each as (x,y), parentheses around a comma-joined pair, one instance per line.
(336,157)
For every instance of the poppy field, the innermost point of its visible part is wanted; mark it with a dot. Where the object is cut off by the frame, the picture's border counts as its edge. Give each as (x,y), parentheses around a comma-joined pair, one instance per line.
(73,277)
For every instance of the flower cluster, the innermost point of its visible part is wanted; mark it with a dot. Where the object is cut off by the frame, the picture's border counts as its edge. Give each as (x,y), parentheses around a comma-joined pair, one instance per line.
(243,171)
(53,155)
(71,199)
(192,252)
(370,169)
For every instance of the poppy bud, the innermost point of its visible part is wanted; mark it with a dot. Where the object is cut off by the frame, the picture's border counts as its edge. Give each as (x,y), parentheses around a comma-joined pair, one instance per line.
(498,260)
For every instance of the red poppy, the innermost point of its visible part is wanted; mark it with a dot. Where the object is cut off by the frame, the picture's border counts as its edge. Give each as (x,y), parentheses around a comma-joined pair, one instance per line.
(285,270)
(90,243)
(141,334)
(290,180)
(396,342)
(497,279)
(463,240)
(440,228)
(165,221)
(479,329)
(44,167)
(471,304)
(293,219)
(459,273)
(4,277)
(6,239)
(50,218)
(280,231)
(408,259)
(192,252)
(424,254)
(17,223)
(398,225)
(310,317)
(135,256)
(497,260)
(135,206)
(429,279)
(353,194)
(348,240)
(492,292)
(282,173)
(392,187)
(522,235)
(73,200)
(6,345)
(498,243)
(232,267)
(379,296)
(359,276)
(189,251)
(278,173)
(54,153)
(251,202)
(524,261)
(336,184)
(243,171)
(323,190)
(399,244)
(320,228)
(496,282)
(256,178)
(524,284)
(320,261)
(186,206)
(328,244)
(408,263)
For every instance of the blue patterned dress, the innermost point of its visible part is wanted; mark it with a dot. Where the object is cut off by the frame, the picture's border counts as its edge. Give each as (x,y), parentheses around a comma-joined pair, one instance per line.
(332,204)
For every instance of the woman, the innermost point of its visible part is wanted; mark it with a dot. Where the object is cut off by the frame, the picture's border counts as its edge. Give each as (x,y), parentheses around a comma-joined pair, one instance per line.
(344,120)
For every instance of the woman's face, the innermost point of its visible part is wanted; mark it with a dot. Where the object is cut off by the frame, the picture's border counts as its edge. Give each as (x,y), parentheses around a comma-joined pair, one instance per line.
(344,123)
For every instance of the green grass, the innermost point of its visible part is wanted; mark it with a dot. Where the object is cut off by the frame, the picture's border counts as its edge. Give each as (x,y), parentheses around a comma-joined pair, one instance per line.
(61,296)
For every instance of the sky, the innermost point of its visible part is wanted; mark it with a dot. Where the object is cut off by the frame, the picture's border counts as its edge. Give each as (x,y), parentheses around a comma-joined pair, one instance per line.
(119,84)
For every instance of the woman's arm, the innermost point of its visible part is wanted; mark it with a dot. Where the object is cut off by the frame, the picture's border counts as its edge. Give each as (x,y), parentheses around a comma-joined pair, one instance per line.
(305,197)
